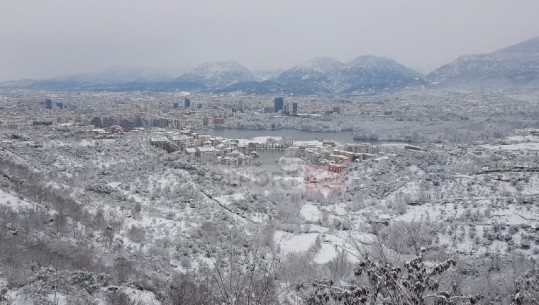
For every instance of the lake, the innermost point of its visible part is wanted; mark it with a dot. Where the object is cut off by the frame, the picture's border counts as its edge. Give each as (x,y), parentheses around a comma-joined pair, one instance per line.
(292,134)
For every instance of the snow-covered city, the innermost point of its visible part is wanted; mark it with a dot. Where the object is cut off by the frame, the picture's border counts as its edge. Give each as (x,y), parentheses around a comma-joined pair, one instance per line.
(143,192)
(319,181)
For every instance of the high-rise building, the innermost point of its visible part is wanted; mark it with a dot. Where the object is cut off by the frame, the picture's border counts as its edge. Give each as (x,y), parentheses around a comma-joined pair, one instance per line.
(127,124)
(286,109)
(107,121)
(96,121)
(186,103)
(175,105)
(139,121)
(160,122)
(294,108)
(336,110)
(278,104)
(48,104)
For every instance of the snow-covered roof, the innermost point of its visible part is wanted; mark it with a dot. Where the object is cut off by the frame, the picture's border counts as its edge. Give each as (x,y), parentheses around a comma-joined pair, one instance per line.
(207,149)
(158,139)
(180,137)
(99,130)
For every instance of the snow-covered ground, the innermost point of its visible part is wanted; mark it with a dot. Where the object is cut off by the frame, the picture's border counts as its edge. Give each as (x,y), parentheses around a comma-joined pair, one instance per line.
(168,214)
(514,147)
(310,212)
(290,243)
(16,203)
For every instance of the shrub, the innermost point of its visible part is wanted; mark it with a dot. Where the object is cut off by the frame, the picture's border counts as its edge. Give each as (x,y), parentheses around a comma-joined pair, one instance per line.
(381,282)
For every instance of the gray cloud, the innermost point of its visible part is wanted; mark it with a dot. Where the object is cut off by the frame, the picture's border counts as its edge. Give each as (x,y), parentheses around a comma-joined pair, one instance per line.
(41,38)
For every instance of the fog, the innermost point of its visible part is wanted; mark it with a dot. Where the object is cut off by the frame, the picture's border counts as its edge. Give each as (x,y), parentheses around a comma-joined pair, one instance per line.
(43,39)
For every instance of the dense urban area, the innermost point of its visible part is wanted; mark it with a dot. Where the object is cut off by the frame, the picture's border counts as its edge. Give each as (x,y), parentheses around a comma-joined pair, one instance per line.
(411,197)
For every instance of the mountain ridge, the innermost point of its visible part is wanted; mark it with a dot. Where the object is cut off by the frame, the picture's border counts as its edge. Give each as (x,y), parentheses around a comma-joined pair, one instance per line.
(513,66)
(363,74)
(218,74)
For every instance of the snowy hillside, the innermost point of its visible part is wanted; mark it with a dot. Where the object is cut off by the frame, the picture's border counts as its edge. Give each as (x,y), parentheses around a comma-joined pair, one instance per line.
(218,74)
(363,74)
(313,69)
(517,65)
(126,217)
(371,73)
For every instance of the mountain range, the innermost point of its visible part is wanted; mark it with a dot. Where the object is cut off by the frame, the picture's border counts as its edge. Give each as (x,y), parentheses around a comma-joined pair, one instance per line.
(363,74)
(218,74)
(514,66)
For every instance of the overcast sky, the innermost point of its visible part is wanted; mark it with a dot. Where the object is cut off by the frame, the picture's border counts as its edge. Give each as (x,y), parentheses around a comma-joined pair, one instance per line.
(47,38)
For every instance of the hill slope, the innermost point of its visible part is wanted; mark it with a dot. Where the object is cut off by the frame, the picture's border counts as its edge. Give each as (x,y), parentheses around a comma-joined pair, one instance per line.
(325,75)
(517,65)
(218,74)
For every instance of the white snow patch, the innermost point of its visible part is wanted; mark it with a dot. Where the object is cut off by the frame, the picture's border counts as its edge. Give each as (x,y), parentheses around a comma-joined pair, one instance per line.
(514,147)
(291,243)
(310,212)
(326,254)
(142,297)
(9,200)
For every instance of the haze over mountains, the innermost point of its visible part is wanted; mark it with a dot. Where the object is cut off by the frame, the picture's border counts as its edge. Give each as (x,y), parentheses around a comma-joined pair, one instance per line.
(517,65)
(119,75)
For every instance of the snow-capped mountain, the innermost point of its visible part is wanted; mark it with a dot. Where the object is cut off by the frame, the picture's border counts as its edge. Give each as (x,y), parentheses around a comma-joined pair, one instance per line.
(218,74)
(517,65)
(320,67)
(514,66)
(528,46)
(266,75)
(313,77)
(372,73)
(363,74)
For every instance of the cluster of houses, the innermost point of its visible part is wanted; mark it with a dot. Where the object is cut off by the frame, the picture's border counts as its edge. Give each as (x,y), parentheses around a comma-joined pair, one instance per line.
(336,156)
(16,140)
(216,149)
